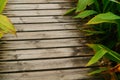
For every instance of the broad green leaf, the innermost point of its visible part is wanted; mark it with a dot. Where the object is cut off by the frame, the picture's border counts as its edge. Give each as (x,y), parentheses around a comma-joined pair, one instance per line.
(104,17)
(98,55)
(85,14)
(70,11)
(2,5)
(6,25)
(82,4)
(98,71)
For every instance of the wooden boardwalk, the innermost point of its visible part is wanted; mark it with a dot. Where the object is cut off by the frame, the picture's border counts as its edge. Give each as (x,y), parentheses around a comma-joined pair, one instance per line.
(48,45)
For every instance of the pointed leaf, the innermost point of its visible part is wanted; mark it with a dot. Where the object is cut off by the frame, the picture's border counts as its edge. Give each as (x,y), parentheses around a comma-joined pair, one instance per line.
(85,14)
(103,51)
(104,17)
(98,71)
(70,11)
(2,5)
(112,55)
(98,55)
(82,4)
(6,25)
(91,32)
(95,47)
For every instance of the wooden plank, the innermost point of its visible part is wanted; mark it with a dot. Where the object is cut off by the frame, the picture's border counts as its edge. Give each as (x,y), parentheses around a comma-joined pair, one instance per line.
(38,6)
(73,74)
(48,19)
(39,1)
(43,64)
(43,35)
(42,43)
(35,13)
(45,27)
(45,53)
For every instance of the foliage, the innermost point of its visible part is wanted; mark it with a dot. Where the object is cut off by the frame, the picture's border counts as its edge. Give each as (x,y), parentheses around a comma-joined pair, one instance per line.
(5,24)
(104,29)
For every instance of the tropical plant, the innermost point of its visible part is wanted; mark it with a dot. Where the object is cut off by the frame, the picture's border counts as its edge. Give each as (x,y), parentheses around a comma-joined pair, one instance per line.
(5,24)
(104,30)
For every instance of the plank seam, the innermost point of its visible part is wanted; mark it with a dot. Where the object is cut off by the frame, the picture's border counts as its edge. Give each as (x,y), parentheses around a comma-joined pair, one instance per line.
(42,48)
(32,59)
(43,70)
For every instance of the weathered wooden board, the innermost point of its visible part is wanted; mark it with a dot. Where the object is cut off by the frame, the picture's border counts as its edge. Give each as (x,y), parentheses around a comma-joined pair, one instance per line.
(43,64)
(45,27)
(71,74)
(35,13)
(39,1)
(46,6)
(44,19)
(42,43)
(44,35)
(48,45)
(45,53)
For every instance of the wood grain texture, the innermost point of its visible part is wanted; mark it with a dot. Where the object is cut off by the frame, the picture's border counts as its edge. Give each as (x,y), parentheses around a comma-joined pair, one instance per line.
(72,74)
(35,13)
(45,53)
(42,43)
(43,64)
(48,45)
(46,6)
(39,1)
(45,27)
(43,35)
(44,19)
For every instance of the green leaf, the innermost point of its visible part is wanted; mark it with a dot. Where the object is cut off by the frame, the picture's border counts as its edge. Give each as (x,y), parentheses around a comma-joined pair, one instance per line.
(112,55)
(85,14)
(98,71)
(104,17)
(103,51)
(98,55)
(1,34)
(95,47)
(115,1)
(6,26)
(70,11)
(82,4)
(106,4)
(2,5)
(90,32)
